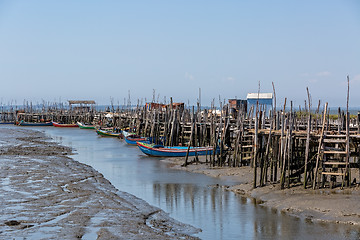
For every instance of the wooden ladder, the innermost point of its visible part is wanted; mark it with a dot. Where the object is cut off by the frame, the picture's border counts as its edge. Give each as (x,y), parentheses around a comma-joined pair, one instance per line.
(335,159)
(246,149)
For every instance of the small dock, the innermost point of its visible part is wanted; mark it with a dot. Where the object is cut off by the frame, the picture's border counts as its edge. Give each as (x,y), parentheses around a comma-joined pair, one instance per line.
(287,146)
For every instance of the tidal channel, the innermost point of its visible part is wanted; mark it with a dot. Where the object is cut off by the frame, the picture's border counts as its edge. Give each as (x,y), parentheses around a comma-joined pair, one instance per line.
(188,197)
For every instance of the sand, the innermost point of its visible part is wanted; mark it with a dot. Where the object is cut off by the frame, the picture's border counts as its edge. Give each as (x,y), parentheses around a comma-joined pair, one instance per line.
(321,205)
(45,194)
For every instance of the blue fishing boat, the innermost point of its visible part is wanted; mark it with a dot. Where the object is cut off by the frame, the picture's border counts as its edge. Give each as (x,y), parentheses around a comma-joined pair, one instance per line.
(132,139)
(6,122)
(178,151)
(35,124)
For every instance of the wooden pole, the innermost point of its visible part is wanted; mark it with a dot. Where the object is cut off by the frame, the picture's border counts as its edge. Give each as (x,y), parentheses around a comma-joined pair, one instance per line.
(191,137)
(307,145)
(347,158)
(319,147)
(256,144)
(289,151)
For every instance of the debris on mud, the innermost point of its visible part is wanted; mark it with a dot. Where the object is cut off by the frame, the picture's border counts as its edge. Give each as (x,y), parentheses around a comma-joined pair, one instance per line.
(48,195)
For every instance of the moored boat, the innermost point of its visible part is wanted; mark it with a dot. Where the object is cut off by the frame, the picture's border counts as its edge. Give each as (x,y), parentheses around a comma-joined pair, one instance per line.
(85,126)
(55,124)
(178,151)
(125,133)
(7,123)
(106,133)
(37,124)
(132,139)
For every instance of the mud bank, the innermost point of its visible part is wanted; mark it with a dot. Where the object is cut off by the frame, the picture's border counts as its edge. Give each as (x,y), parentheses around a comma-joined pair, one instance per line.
(47,195)
(322,205)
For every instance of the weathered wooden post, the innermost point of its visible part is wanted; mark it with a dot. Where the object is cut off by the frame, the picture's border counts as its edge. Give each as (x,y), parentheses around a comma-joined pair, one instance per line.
(191,137)
(320,147)
(254,164)
(307,145)
(347,175)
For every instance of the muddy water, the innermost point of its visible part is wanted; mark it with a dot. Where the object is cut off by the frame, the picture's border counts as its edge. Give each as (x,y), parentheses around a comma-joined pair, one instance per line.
(188,197)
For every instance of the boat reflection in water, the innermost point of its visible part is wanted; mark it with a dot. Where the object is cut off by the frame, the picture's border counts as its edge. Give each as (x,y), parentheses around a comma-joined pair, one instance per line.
(188,197)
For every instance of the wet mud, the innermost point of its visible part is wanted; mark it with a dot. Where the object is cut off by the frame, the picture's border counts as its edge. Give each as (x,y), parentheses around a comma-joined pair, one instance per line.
(45,194)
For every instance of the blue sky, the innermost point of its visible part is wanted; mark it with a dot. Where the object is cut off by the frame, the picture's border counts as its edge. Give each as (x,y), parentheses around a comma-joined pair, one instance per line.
(55,50)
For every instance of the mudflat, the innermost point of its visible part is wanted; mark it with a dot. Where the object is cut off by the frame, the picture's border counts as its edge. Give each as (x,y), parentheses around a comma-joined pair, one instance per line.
(320,205)
(45,194)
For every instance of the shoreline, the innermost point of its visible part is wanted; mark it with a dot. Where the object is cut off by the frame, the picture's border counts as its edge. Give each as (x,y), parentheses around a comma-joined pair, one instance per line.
(115,214)
(48,195)
(320,205)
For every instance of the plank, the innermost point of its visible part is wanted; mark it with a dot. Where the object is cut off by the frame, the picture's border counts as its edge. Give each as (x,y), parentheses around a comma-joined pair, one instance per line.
(334,140)
(334,163)
(333,173)
(334,152)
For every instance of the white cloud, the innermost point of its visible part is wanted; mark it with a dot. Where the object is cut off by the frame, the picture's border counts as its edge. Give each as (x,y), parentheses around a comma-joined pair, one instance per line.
(189,76)
(317,77)
(355,79)
(312,80)
(229,79)
(323,74)
(305,75)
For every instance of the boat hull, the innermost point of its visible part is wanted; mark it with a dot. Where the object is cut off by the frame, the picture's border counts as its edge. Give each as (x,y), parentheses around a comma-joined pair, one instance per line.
(108,133)
(133,140)
(83,126)
(35,124)
(125,133)
(55,124)
(161,151)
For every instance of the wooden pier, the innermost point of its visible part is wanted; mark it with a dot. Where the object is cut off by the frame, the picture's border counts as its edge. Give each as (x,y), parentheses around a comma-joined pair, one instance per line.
(285,147)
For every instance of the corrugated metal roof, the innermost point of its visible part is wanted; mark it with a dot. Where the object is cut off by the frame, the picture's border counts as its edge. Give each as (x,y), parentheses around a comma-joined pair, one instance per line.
(259,96)
(81,102)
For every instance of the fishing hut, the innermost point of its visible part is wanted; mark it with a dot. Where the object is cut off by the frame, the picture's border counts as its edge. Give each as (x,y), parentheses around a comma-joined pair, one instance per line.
(263,100)
(282,146)
(159,106)
(236,106)
(81,106)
